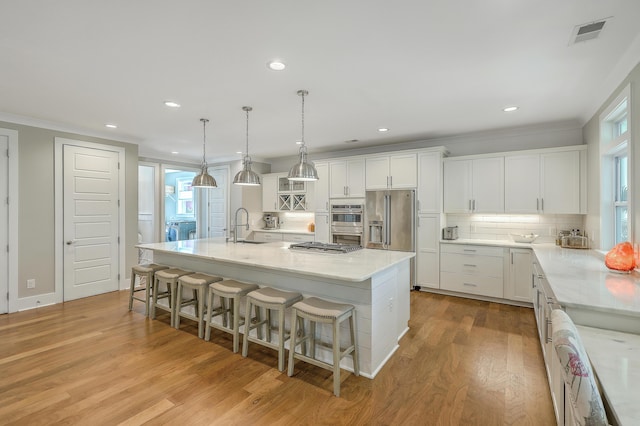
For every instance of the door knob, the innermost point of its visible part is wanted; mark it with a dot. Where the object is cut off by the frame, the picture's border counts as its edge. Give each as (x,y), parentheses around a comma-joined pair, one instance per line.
(69,243)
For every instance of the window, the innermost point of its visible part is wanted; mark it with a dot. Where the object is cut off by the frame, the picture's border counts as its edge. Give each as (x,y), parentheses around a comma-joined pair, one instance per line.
(615,209)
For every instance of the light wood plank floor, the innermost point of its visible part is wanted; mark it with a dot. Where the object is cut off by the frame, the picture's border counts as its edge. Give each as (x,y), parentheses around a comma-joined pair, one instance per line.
(93,362)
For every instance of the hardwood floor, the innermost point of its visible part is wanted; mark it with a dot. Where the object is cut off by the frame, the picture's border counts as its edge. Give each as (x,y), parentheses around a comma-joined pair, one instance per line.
(93,362)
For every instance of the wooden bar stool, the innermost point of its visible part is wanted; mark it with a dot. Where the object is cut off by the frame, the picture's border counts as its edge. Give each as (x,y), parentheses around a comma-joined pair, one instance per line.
(199,284)
(168,277)
(146,272)
(322,311)
(232,291)
(269,299)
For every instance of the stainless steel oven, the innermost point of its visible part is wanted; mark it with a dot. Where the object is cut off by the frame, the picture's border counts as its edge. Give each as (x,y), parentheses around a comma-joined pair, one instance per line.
(347,222)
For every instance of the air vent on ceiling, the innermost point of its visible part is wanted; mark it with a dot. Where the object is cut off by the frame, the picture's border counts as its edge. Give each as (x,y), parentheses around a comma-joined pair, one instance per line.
(588,31)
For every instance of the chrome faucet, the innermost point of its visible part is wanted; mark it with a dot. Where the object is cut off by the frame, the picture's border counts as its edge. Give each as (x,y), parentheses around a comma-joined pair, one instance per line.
(235,228)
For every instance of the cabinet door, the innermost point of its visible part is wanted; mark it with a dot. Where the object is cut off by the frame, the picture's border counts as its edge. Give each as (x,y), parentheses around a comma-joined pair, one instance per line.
(355,178)
(321,188)
(457,186)
(518,286)
(429,198)
(560,184)
(377,172)
(427,254)
(269,193)
(403,171)
(488,185)
(322,228)
(338,179)
(522,184)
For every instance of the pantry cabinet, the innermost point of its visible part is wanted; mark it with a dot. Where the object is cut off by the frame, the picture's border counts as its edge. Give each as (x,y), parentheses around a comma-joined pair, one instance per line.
(347,178)
(397,171)
(474,185)
(546,183)
(321,188)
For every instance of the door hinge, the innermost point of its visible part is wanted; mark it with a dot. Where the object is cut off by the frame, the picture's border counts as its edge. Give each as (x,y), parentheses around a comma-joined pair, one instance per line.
(118,240)
(7,157)
(7,296)
(118,277)
(118,165)
(7,248)
(118,203)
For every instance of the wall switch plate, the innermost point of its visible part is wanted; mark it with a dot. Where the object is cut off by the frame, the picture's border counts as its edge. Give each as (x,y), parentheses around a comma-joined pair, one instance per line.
(31,283)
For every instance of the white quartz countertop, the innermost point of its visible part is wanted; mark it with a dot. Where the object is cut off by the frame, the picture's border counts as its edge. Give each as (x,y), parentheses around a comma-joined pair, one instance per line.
(615,357)
(355,266)
(496,243)
(580,279)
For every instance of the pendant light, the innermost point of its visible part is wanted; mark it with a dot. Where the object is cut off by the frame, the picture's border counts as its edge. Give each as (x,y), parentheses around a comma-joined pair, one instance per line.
(246,176)
(303,170)
(204,179)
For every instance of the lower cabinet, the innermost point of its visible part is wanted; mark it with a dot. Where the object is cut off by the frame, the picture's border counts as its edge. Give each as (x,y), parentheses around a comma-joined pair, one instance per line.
(428,252)
(267,236)
(518,287)
(478,270)
(281,236)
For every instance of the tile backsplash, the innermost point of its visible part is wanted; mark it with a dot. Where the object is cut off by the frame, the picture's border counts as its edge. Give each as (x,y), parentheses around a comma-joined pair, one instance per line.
(498,227)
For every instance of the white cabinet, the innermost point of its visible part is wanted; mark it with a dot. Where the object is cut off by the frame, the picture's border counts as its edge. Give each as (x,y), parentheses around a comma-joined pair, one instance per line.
(519,287)
(427,251)
(472,269)
(397,171)
(267,236)
(296,238)
(548,183)
(322,227)
(321,188)
(270,193)
(429,192)
(347,178)
(474,185)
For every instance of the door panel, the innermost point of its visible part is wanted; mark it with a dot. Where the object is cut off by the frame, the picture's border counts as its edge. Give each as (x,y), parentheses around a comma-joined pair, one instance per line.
(4,224)
(218,204)
(90,221)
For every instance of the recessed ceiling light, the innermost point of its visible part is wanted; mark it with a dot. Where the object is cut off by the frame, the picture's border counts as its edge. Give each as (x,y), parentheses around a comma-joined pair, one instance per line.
(172,104)
(238,152)
(111,126)
(276,65)
(298,142)
(383,129)
(510,109)
(175,152)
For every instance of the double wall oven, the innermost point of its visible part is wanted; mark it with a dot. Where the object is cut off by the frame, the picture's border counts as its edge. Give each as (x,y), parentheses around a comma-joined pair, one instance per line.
(347,222)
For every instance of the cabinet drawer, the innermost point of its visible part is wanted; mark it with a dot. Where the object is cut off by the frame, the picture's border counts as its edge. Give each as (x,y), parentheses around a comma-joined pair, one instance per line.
(472,284)
(471,249)
(267,236)
(490,266)
(298,238)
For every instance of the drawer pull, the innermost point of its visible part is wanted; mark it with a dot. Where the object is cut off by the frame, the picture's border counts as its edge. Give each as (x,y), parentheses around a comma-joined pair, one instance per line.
(471,250)
(468,264)
(470,284)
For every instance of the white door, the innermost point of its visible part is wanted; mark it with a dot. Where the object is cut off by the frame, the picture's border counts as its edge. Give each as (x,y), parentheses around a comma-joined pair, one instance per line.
(457,186)
(218,205)
(338,176)
(355,178)
(560,186)
(91,224)
(488,185)
(403,171)
(4,224)
(522,184)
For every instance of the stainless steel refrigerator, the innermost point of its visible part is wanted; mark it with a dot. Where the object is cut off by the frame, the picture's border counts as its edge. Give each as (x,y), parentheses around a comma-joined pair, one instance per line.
(390,222)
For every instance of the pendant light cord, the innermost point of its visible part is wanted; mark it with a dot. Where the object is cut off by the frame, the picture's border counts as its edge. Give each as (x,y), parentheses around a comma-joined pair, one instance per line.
(246,153)
(204,142)
(302,94)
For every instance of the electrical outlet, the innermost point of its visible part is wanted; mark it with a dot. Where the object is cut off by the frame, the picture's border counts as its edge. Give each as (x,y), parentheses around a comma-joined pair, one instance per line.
(31,283)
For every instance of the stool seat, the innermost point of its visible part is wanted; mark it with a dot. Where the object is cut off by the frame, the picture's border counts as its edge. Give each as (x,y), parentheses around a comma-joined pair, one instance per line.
(146,271)
(322,308)
(168,277)
(269,299)
(323,311)
(199,283)
(232,291)
(275,296)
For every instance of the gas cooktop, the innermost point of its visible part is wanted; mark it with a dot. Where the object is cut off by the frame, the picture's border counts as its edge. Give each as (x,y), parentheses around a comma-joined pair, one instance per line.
(324,247)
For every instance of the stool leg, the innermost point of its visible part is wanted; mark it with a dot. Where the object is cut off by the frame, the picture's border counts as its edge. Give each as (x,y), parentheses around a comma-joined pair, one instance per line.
(312,343)
(147,294)
(177,305)
(154,299)
(268,324)
(258,319)
(336,358)
(354,340)
(133,285)
(281,339)
(235,301)
(303,341)
(200,315)
(292,341)
(225,312)
(207,329)
(247,328)
(196,305)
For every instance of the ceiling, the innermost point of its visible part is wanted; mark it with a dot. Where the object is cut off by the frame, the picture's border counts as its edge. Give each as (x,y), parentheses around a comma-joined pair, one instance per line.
(424,69)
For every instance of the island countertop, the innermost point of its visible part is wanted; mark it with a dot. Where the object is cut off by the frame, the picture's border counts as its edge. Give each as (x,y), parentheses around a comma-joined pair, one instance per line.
(355,266)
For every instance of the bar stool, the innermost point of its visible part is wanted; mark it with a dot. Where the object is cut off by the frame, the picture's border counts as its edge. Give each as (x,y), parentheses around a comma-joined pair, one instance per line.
(199,283)
(168,277)
(322,311)
(232,291)
(146,272)
(269,299)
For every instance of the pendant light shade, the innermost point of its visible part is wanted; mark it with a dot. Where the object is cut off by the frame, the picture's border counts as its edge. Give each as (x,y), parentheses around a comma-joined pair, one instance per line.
(204,179)
(304,169)
(246,176)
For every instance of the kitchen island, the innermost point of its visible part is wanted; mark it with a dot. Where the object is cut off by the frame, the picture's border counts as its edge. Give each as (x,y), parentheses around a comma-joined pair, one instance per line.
(376,282)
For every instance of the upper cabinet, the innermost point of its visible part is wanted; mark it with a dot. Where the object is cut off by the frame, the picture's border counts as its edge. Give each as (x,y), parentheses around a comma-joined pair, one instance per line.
(396,171)
(270,192)
(321,188)
(547,182)
(346,178)
(429,192)
(281,194)
(474,185)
